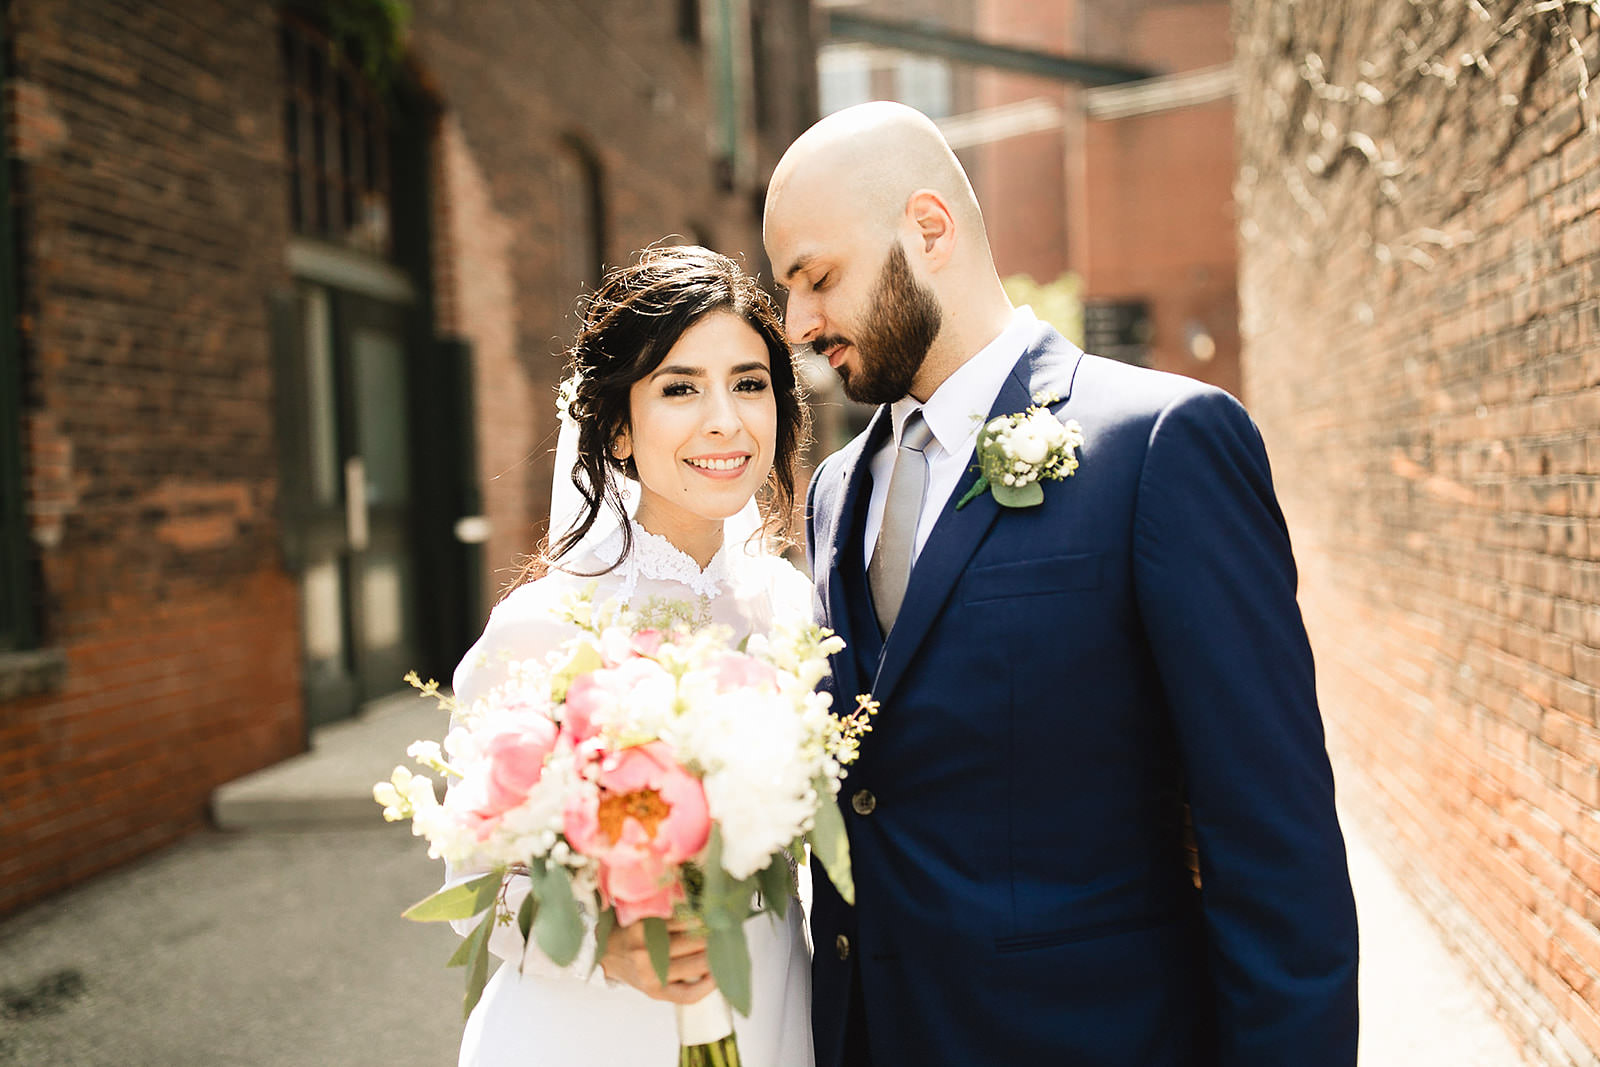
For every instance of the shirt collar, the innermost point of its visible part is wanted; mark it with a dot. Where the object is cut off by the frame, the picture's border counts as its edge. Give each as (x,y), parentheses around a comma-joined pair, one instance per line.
(957,409)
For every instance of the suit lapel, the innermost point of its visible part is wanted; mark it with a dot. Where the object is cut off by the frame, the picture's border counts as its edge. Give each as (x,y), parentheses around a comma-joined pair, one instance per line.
(1048,364)
(855,466)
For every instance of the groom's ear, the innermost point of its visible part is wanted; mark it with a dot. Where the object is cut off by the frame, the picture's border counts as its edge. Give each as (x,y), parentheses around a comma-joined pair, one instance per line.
(935,226)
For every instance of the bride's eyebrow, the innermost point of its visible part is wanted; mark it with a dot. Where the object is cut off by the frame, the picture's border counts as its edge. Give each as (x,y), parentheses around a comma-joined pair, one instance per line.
(687,372)
(699,372)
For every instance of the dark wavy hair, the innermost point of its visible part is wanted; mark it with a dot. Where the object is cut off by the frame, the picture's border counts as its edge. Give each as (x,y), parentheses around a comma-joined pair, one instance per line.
(630,324)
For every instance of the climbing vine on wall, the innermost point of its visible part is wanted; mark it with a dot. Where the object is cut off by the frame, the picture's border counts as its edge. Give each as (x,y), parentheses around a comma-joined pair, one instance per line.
(372,31)
(1398,112)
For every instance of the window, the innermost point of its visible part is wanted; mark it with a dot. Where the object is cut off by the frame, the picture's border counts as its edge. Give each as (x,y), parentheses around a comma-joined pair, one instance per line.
(583,214)
(689,21)
(760,89)
(924,83)
(337,144)
(853,74)
(844,77)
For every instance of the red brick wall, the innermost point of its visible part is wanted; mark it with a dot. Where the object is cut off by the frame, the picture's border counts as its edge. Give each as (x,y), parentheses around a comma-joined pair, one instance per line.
(1158,219)
(146,154)
(516,89)
(1420,290)
(1140,208)
(1023,181)
(152,210)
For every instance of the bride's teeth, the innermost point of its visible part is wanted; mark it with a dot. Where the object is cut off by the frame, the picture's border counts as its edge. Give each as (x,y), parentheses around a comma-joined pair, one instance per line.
(718,464)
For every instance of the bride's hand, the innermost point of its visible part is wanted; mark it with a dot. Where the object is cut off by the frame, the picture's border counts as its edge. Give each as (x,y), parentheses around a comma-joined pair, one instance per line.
(688,974)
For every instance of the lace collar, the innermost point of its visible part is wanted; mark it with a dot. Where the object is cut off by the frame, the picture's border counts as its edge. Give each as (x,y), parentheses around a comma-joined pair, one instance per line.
(656,558)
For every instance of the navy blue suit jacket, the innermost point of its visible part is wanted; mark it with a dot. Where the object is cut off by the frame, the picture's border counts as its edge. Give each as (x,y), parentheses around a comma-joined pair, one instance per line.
(1061,682)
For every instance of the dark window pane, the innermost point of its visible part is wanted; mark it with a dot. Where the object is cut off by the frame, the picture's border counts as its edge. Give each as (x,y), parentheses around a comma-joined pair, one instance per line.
(335,143)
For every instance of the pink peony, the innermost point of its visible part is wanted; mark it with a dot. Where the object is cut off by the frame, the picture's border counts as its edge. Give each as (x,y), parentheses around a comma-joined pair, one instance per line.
(592,697)
(648,642)
(738,671)
(649,816)
(516,761)
(585,696)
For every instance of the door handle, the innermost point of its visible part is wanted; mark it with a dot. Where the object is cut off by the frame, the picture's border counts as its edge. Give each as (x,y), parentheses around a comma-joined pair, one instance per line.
(473,529)
(355,504)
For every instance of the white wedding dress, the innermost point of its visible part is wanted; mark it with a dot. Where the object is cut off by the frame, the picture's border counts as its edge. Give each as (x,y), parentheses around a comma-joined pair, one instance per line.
(541,1015)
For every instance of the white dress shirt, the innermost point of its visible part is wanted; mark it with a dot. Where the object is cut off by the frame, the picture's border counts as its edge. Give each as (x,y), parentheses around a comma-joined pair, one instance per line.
(955,413)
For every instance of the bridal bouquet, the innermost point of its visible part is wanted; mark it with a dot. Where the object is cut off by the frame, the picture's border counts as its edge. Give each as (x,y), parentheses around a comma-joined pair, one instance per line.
(646,769)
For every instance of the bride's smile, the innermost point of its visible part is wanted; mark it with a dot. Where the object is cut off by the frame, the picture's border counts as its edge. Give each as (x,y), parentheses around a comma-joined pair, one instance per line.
(729,466)
(702,432)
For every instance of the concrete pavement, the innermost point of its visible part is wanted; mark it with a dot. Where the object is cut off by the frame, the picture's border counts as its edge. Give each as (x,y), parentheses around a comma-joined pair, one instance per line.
(278,942)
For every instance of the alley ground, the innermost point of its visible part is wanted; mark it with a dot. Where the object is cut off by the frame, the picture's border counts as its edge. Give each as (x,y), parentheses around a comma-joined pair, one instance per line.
(279,943)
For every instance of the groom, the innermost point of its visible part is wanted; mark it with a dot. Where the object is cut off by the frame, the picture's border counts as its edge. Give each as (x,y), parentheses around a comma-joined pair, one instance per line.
(1076,694)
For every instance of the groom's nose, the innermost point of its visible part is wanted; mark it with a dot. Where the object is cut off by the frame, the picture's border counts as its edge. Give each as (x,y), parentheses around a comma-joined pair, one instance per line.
(802,319)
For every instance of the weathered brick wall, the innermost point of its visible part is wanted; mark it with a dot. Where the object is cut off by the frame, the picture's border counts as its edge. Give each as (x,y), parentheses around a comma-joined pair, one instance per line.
(145,149)
(1157,222)
(520,85)
(1420,293)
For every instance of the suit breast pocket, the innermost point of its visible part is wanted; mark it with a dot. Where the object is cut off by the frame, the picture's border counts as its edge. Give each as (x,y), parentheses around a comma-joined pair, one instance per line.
(1030,578)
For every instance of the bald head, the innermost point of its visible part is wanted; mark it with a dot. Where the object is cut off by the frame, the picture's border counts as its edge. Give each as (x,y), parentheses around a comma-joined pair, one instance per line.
(872,226)
(861,166)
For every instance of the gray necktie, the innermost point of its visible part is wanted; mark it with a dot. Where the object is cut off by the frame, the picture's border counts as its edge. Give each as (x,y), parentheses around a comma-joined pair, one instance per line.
(890,568)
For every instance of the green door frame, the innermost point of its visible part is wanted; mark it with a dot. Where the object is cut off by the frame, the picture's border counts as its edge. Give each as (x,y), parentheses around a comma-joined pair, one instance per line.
(16,604)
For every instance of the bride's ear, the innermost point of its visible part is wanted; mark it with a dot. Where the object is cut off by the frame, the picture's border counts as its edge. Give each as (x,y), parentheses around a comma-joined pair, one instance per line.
(621,446)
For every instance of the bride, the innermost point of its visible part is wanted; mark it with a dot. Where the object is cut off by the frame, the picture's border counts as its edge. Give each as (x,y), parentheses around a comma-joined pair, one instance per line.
(685,399)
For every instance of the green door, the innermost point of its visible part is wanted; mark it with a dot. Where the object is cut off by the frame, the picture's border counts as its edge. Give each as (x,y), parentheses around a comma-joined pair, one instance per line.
(353,499)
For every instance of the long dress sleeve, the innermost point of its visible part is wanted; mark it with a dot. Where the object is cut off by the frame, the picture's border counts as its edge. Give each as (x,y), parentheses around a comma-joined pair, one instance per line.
(521,627)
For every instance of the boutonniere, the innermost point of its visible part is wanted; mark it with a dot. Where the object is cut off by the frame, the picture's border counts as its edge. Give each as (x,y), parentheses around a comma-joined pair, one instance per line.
(1017,452)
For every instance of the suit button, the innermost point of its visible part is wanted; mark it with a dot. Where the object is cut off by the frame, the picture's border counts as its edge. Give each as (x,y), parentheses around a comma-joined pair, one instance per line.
(842,943)
(864,802)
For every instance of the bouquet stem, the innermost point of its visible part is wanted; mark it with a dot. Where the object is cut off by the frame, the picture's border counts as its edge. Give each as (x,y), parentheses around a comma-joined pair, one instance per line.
(705,1033)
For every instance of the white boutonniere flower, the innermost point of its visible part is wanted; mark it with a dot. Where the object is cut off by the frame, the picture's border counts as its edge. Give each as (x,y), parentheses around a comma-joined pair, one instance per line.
(1017,452)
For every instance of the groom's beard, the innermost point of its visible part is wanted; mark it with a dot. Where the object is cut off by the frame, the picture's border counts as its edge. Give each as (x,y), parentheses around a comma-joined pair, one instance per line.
(893,343)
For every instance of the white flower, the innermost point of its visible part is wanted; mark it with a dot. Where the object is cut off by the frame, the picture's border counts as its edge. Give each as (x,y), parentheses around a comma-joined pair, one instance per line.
(566,396)
(756,789)
(1030,442)
(419,792)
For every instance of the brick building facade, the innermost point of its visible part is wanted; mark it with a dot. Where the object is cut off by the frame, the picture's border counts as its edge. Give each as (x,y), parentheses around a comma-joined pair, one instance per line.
(278,328)
(1123,193)
(1420,293)
(1154,221)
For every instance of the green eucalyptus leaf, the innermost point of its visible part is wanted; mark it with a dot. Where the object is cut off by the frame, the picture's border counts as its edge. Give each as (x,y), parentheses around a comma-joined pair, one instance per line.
(1017,496)
(659,944)
(459,901)
(464,951)
(602,933)
(729,957)
(830,844)
(525,914)
(724,900)
(776,884)
(477,964)
(558,928)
